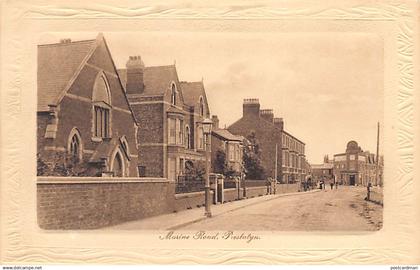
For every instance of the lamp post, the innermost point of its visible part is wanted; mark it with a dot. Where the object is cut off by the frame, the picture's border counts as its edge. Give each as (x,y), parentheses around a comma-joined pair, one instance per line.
(207,125)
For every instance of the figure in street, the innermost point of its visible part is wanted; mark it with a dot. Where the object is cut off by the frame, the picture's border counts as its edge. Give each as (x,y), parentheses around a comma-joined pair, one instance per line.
(332,185)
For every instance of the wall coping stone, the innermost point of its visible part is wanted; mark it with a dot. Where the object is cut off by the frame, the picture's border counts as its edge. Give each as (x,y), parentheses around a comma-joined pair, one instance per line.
(191,194)
(98,180)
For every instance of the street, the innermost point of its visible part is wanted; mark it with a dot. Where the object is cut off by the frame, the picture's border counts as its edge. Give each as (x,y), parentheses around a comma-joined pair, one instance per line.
(338,209)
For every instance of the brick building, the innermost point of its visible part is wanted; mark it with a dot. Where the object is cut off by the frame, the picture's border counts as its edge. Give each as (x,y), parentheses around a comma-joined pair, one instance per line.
(271,135)
(357,167)
(85,125)
(231,145)
(170,113)
(324,171)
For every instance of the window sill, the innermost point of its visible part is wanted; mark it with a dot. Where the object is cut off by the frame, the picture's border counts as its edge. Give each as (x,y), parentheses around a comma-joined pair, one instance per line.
(96,139)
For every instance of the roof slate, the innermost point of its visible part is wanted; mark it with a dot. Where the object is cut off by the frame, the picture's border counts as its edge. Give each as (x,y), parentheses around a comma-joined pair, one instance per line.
(156,79)
(192,92)
(57,63)
(224,133)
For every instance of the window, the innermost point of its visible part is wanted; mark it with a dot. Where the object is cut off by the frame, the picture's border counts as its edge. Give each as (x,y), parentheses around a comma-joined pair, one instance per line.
(172,131)
(284,158)
(200,139)
(117,166)
(237,153)
(352,157)
(180,131)
(101,122)
(231,152)
(175,132)
(187,137)
(173,94)
(101,99)
(201,106)
(75,147)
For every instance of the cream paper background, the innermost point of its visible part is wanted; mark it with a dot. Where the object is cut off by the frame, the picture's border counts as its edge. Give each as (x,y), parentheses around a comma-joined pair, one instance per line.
(22,23)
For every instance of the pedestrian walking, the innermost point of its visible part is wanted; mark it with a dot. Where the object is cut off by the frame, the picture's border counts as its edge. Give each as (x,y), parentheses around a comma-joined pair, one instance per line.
(336,185)
(332,185)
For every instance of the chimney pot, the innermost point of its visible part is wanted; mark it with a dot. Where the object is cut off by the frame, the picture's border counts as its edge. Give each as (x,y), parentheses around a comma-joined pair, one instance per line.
(267,114)
(251,107)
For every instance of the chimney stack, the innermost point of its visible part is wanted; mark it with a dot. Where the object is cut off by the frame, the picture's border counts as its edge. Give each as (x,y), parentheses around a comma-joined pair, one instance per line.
(215,120)
(278,122)
(251,107)
(267,114)
(135,75)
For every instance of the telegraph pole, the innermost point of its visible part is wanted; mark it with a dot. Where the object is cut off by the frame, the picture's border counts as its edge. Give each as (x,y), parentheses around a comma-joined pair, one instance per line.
(275,165)
(377,157)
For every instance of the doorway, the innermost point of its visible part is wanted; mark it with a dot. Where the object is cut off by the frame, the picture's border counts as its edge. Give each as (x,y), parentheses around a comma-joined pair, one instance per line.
(352,180)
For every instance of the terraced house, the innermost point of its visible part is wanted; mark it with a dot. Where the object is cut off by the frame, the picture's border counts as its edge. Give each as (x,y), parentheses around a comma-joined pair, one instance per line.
(170,113)
(282,154)
(85,126)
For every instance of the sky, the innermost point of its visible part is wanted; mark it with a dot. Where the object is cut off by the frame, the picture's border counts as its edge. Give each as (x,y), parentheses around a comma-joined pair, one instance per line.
(328,87)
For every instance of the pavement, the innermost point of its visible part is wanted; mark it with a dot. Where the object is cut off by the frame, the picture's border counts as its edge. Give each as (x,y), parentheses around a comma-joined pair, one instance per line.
(180,220)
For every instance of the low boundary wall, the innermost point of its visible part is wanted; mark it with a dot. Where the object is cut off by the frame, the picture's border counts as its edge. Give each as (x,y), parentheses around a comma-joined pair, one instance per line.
(190,200)
(94,202)
(231,194)
(256,191)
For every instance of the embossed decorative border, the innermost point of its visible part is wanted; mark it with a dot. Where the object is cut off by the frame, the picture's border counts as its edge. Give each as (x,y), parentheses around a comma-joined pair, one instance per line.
(15,251)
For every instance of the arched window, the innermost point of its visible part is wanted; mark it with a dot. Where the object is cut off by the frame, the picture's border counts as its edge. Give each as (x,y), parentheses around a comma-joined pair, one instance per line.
(173,94)
(124,146)
(187,137)
(117,166)
(201,106)
(101,99)
(74,145)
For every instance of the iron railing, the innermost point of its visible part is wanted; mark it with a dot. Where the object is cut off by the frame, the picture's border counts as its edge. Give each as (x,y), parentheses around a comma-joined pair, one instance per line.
(256,183)
(188,184)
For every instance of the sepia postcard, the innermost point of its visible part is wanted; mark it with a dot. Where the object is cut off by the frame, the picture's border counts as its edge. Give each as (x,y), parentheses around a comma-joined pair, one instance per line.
(210,133)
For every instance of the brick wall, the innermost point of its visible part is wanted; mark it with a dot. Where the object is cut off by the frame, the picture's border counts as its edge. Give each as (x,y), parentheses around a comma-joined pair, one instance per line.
(151,137)
(89,203)
(231,194)
(256,191)
(267,136)
(190,200)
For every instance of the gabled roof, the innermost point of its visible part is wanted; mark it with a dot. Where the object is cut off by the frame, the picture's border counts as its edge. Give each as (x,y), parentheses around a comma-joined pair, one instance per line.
(156,79)
(60,63)
(57,64)
(225,134)
(192,92)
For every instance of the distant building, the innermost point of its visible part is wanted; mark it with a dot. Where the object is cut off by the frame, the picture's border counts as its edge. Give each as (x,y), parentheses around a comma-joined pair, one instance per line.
(323,171)
(230,145)
(357,167)
(85,124)
(271,136)
(170,113)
